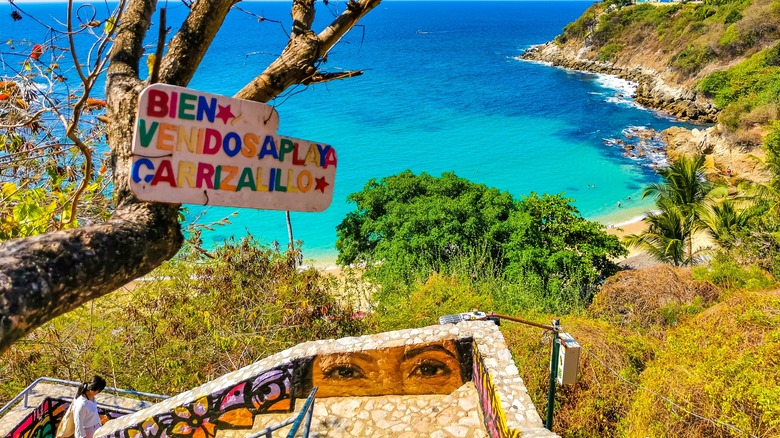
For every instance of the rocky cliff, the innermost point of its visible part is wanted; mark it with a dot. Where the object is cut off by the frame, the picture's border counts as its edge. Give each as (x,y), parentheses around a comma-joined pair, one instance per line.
(652,90)
(669,50)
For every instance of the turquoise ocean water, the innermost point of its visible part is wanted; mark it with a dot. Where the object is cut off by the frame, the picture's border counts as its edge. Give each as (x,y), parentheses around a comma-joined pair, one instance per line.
(442,90)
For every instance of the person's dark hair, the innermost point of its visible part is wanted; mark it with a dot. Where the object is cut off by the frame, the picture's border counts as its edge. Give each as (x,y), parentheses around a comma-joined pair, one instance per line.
(96,384)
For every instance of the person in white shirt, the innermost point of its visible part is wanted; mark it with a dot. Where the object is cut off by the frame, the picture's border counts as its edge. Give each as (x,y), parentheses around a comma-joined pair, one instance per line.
(85,411)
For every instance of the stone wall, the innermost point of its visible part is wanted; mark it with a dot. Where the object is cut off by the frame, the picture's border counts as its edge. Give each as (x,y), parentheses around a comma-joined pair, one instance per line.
(408,372)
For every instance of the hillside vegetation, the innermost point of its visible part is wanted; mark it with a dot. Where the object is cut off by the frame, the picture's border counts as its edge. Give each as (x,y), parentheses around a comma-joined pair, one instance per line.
(729,51)
(659,344)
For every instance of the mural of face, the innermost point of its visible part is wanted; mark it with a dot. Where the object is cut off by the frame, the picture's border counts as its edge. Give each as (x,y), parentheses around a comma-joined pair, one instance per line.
(432,368)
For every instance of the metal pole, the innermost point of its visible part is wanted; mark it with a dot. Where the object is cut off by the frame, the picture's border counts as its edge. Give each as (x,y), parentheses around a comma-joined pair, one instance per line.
(533,324)
(553,375)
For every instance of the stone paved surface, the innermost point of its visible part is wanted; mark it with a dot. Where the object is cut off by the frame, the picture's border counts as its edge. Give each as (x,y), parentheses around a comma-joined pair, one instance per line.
(411,416)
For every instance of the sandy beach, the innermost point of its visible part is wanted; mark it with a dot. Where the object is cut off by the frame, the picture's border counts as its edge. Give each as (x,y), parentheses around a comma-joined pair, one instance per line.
(630,228)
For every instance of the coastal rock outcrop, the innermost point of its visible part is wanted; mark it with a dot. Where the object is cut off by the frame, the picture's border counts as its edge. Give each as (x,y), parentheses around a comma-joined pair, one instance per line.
(722,152)
(652,91)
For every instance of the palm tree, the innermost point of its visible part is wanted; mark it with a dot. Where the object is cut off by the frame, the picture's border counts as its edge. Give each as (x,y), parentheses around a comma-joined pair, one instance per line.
(724,220)
(665,238)
(685,187)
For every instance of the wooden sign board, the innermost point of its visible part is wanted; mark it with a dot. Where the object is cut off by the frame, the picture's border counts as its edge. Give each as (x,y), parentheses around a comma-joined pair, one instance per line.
(192,147)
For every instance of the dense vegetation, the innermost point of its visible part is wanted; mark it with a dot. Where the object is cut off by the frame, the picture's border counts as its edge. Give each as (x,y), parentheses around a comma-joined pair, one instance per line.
(407,225)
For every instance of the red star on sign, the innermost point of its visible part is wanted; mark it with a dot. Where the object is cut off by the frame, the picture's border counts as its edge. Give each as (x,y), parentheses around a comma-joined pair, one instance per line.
(225,114)
(321,184)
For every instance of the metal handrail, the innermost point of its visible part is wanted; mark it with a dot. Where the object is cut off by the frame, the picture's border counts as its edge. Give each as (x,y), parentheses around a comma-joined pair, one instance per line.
(306,412)
(29,388)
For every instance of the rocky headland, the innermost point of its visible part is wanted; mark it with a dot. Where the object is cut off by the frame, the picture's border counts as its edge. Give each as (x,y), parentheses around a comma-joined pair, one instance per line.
(681,101)
(652,91)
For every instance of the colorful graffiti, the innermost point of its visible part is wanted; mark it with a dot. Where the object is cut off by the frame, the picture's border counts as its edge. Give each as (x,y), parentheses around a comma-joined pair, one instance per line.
(43,421)
(493,413)
(232,408)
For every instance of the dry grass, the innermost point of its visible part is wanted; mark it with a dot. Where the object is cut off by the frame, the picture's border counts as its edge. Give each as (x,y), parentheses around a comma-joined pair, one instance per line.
(651,297)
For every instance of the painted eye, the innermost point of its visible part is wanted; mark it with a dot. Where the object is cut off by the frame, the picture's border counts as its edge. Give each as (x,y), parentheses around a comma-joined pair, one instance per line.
(430,368)
(344,372)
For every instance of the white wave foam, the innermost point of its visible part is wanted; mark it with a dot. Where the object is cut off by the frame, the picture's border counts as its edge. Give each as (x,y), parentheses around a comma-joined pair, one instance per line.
(623,100)
(649,151)
(622,86)
(533,61)
(633,220)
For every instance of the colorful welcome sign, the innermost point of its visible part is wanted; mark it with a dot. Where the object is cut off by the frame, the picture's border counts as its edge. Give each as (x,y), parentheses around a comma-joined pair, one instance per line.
(200,148)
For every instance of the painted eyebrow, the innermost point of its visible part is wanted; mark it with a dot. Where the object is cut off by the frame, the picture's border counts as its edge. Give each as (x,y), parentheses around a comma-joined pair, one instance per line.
(365,356)
(420,350)
(359,355)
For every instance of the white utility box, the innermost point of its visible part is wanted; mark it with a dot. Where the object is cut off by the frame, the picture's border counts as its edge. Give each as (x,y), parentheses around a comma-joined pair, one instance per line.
(568,360)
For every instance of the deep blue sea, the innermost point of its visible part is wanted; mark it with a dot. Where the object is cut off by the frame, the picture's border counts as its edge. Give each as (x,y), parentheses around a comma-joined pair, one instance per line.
(442,90)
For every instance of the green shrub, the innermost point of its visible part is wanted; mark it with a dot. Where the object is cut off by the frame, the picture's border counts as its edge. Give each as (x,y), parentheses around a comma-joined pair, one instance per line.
(609,52)
(726,273)
(692,58)
(423,305)
(580,27)
(730,36)
(741,89)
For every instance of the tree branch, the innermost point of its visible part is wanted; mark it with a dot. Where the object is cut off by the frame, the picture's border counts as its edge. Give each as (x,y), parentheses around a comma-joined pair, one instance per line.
(319,78)
(189,45)
(158,54)
(344,23)
(303,16)
(45,276)
(299,59)
(128,44)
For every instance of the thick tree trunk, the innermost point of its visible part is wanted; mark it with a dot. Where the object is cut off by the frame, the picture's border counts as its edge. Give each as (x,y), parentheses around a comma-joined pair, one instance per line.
(45,276)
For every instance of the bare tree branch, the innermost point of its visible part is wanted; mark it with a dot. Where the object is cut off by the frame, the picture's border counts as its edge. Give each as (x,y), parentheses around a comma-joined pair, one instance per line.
(186,50)
(154,75)
(299,59)
(344,23)
(303,16)
(25,122)
(319,78)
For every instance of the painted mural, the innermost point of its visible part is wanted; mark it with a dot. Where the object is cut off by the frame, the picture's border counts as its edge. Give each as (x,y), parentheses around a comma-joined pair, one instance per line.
(43,421)
(493,413)
(232,408)
(433,368)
